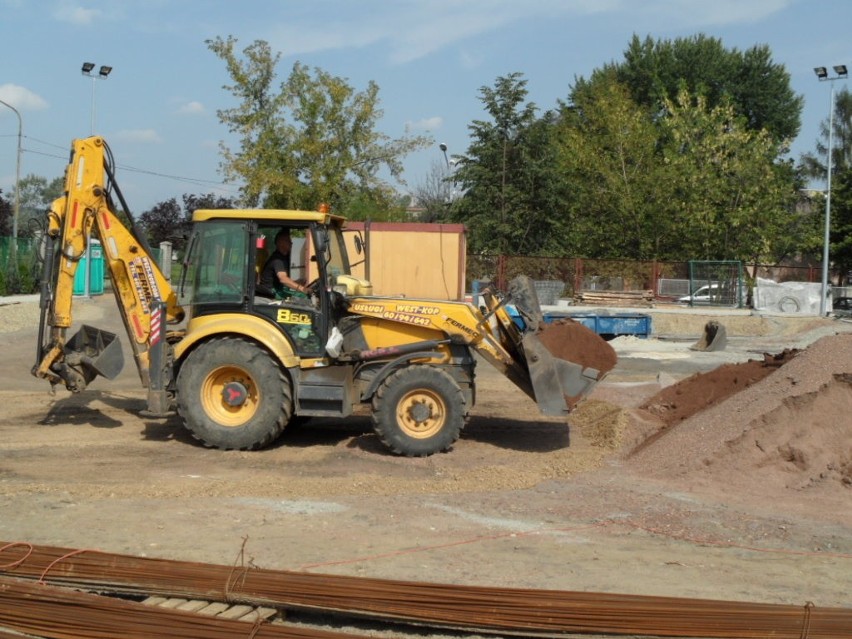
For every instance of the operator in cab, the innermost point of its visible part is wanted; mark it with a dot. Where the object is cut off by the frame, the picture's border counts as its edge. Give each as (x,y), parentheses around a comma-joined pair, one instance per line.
(275,280)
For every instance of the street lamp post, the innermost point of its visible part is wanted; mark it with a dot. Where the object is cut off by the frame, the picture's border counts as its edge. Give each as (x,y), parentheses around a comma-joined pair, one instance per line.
(88,69)
(17,179)
(443,148)
(822,76)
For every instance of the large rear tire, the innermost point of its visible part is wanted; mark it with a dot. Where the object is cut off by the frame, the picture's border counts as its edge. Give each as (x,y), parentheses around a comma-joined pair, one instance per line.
(418,411)
(233,395)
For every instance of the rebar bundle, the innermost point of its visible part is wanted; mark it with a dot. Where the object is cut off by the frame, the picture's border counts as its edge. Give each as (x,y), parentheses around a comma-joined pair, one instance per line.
(441,605)
(61,613)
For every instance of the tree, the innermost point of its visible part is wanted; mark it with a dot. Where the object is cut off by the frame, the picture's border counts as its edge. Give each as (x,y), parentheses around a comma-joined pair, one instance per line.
(312,140)
(505,175)
(37,194)
(757,88)
(813,165)
(840,245)
(434,194)
(169,222)
(728,196)
(608,153)
(162,222)
(6,212)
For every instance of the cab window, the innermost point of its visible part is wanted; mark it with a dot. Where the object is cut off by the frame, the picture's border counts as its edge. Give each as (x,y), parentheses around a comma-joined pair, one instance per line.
(219,262)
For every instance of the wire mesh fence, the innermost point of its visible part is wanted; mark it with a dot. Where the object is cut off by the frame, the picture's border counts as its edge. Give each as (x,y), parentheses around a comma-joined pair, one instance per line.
(662,280)
(20,270)
(20,266)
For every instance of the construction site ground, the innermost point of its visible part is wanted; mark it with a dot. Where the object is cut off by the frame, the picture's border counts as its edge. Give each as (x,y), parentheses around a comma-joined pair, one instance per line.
(667,481)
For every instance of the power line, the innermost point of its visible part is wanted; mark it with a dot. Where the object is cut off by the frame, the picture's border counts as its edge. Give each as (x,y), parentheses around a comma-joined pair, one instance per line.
(131,169)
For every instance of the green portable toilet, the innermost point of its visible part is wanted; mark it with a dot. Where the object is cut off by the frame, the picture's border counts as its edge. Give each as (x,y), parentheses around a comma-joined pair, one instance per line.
(96,274)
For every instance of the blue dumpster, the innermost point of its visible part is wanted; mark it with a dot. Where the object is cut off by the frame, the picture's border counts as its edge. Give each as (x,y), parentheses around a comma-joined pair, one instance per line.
(606,324)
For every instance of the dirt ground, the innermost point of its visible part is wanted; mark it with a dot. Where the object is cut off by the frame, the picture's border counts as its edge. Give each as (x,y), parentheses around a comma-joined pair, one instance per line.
(659,483)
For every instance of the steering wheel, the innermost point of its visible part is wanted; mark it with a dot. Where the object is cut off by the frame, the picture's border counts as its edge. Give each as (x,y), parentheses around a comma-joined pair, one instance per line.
(313,286)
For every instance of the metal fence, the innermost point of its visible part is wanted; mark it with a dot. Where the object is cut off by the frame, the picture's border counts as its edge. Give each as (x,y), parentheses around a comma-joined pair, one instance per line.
(20,269)
(663,280)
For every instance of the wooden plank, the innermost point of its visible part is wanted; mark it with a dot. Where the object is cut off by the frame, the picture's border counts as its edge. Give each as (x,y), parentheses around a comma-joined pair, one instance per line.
(193,605)
(235,612)
(153,601)
(214,609)
(260,613)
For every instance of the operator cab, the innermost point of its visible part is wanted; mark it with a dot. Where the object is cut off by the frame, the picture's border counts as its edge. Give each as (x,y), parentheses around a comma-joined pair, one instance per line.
(228,252)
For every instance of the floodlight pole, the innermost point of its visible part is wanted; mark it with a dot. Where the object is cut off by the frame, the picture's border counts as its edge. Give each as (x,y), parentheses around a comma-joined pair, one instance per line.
(88,70)
(822,76)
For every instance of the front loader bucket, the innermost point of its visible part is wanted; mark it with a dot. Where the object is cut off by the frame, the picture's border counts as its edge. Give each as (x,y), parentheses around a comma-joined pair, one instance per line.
(565,361)
(93,352)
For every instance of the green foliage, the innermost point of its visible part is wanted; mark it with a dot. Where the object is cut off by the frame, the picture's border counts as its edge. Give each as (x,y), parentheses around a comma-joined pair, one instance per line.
(726,194)
(162,222)
(434,194)
(841,221)
(312,140)
(378,205)
(20,267)
(813,165)
(608,153)
(36,196)
(169,222)
(507,176)
(690,180)
(6,212)
(757,88)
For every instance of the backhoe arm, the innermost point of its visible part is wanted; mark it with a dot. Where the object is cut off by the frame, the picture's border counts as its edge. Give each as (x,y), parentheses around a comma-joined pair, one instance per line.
(141,290)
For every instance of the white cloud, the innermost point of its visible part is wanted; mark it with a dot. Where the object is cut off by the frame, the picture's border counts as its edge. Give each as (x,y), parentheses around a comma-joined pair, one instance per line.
(718,12)
(426,124)
(191,108)
(146,136)
(410,30)
(21,98)
(75,14)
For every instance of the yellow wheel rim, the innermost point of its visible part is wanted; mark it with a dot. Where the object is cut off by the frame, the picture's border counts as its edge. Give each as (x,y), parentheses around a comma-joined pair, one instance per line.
(421,413)
(213,396)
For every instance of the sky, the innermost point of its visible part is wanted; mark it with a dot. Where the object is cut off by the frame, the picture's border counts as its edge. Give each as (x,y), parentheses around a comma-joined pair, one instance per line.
(157,108)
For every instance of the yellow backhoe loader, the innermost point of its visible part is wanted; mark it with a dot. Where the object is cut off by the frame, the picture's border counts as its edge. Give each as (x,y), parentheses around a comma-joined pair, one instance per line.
(239,364)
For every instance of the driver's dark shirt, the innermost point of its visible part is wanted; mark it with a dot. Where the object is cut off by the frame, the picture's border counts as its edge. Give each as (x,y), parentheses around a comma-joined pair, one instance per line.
(276,263)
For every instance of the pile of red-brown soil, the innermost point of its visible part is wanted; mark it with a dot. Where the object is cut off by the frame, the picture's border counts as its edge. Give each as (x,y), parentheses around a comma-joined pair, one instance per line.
(689,396)
(789,430)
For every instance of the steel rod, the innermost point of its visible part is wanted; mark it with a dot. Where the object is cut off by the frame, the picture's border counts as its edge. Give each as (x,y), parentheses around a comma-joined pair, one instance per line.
(441,605)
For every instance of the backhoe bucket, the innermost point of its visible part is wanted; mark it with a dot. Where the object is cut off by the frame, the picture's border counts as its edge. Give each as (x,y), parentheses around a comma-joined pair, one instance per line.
(714,338)
(94,352)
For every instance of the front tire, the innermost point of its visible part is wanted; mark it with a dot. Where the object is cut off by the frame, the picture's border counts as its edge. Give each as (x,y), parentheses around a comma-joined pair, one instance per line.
(233,395)
(418,411)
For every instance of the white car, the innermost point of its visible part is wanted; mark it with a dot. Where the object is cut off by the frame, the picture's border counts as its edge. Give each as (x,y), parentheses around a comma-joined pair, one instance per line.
(712,294)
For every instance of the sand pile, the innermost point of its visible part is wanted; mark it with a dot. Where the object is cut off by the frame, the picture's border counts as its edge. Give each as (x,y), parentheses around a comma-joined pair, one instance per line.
(790,429)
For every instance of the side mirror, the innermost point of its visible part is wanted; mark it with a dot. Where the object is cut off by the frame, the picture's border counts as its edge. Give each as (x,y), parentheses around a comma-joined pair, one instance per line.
(359,244)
